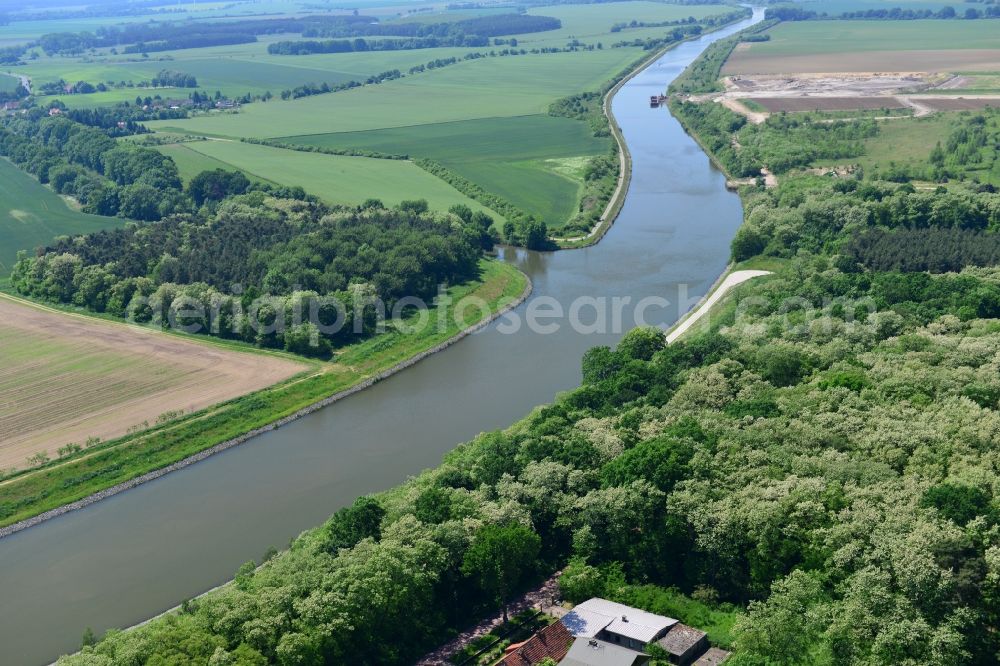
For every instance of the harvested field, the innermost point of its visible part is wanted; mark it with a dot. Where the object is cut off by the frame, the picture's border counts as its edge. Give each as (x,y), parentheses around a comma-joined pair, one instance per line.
(795,104)
(957,103)
(65,378)
(746,61)
(871,46)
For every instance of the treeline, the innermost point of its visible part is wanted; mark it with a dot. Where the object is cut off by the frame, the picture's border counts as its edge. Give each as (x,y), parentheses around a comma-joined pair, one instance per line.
(251,267)
(359,44)
(891,14)
(707,21)
(353,152)
(171,78)
(308,89)
(106,177)
(824,214)
(933,250)
(493,25)
(405,36)
(650,43)
(165,35)
(123,118)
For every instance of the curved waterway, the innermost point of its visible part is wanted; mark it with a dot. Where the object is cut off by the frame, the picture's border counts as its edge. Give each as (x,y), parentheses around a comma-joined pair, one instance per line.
(138,553)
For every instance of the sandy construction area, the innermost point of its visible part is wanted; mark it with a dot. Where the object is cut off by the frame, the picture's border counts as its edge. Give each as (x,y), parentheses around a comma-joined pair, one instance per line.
(796,104)
(746,61)
(64,378)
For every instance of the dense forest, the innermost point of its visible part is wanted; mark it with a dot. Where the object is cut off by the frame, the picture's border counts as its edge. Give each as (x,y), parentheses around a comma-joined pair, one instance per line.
(822,456)
(256,262)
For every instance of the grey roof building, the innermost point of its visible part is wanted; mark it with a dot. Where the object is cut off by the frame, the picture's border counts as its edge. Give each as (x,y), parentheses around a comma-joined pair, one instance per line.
(684,644)
(616,623)
(593,652)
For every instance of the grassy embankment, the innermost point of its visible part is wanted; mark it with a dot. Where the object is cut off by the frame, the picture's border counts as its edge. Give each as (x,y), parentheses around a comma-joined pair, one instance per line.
(61,482)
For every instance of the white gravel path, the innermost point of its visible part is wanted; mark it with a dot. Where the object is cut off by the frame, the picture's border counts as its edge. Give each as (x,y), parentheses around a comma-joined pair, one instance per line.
(730,281)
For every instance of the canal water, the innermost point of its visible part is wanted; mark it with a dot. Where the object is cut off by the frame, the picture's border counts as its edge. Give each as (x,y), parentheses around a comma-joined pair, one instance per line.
(127,558)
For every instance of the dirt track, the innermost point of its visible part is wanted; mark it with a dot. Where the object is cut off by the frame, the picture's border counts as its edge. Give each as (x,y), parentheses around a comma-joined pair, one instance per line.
(64,378)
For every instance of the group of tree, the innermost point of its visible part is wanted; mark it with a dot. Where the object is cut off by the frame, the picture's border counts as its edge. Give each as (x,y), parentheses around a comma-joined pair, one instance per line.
(168,78)
(139,37)
(491,25)
(783,142)
(308,89)
(286,256)
(706,21)
(474,32)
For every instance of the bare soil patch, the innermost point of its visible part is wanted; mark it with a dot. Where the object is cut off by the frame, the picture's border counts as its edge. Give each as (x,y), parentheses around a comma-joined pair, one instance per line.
(65,378)
(798,104)
(957,103)
(957,60)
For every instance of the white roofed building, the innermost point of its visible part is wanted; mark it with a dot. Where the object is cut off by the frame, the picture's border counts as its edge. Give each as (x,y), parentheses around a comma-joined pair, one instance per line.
(616,623)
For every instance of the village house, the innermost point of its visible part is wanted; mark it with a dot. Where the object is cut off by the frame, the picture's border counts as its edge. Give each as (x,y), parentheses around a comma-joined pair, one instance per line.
(551,642)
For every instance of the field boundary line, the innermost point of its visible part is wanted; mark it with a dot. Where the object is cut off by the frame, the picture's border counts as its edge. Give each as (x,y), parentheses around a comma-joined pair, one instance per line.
(236,441)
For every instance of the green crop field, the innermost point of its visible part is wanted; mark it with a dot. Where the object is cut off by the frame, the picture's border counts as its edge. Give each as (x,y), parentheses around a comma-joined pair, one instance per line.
(592,23)
(190,162)
(8,83)
(32,215)
(490,87)
(335,178)
(512,157)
